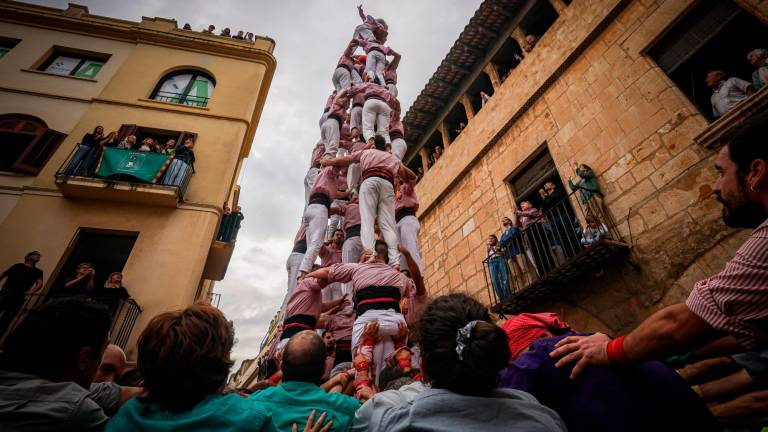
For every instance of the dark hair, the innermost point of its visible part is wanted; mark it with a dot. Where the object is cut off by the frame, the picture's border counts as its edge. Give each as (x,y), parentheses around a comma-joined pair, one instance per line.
(305,363)
(486,351)
(184,355)
(338,230)
(392,377)
(47,343)
(26,257)
(382,243)
(380,142)
(746,143)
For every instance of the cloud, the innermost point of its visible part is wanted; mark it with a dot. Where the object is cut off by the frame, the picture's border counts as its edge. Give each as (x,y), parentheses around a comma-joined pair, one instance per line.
(310,36)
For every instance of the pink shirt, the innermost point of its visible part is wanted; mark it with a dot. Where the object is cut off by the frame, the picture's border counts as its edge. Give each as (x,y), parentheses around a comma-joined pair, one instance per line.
(528,217)
(356,146)
(329,101)
(395,124)
(345,60)
(369,46)
(390,74)
(307,298)
(301,234)
(373,158)
(370,274)
(358,99)
(329,256)
(351,213)
(371,90)
(340,324)
(407,196)
(325,183)
(317,154)
(733,301)
(341,182)
(339,106)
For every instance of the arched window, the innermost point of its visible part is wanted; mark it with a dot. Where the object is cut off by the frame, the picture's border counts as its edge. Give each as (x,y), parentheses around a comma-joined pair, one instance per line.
(185,87)
(26,143)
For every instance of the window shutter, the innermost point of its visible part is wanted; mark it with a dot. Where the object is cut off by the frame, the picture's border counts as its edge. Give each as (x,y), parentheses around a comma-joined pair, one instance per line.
(38,153)
(125,130)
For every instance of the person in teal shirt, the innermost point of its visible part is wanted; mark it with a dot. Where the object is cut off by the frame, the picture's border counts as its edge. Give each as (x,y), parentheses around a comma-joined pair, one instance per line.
(293,400)
(184,358)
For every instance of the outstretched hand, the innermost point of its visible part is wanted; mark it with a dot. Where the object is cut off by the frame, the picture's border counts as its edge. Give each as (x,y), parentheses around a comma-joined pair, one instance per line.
(402,332)
(317,426)
(584,350)
(371,330)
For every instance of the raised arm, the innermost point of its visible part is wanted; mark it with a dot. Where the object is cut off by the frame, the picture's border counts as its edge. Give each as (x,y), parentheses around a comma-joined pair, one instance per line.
(351,48)
(405,173)
(413,268)
(321,273)
(361,13)
(395,61)
(337,162)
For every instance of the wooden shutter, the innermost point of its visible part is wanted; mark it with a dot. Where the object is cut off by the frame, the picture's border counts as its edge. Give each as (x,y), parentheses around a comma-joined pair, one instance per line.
(39,151)
(125,130)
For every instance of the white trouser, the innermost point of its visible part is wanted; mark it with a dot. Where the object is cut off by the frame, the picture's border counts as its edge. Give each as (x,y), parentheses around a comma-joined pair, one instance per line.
(315,219)
(388,322)
(309,181)
(376,118)
(323,118)
(335,220)
(392,89)
(399,147)
(356,118)
(332,292)
(353,176)
(351,252)
(408,236)
(377,202)
(330,135)
(375,61)
(341,79)
(356,78)
(292,266)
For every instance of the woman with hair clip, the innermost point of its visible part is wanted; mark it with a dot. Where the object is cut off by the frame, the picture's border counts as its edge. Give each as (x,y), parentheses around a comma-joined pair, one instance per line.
(462,352)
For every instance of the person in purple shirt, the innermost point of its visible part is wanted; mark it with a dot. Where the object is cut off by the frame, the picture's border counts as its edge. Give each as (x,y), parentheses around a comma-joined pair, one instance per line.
(647,397)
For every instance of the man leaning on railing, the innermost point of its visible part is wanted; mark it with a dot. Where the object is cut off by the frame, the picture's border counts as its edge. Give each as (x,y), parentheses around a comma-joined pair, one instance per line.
(22,278)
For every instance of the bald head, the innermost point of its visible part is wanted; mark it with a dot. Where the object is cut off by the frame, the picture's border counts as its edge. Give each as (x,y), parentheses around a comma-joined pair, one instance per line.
(304,358)
(112,364)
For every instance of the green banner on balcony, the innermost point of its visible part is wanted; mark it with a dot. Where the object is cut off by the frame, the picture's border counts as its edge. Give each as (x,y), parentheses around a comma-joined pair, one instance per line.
(144,166)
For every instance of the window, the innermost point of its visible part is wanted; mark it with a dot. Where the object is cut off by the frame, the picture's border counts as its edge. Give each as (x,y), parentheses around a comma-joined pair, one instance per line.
(539,19)
(107,251)
(711,36)
(185,87)
(76,63)
(26,143)
(6,45)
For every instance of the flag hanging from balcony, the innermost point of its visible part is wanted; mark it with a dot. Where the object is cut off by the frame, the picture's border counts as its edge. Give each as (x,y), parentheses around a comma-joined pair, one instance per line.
(143,166)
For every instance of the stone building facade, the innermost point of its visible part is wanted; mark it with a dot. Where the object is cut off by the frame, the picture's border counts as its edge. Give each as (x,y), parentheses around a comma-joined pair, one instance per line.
(596,89)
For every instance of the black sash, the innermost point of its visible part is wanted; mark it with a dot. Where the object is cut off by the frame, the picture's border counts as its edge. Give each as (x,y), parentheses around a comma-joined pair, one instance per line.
(320,198)
(380,173)
(353,231)
(300,246)
(343,352)
(296,324)
(403,212)
(377,297)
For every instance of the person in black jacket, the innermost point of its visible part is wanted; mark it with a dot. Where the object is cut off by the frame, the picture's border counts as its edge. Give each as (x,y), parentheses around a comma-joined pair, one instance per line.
(183,161)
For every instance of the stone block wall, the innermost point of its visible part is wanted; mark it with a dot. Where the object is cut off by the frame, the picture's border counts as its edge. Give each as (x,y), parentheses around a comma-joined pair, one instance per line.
(615,110)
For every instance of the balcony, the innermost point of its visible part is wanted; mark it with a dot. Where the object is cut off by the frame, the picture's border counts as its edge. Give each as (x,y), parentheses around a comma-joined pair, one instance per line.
(124,313)
(222,248)
(113,174)
(181,99)
(550,254)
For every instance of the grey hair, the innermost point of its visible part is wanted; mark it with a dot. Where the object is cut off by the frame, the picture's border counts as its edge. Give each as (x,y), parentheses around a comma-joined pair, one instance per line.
(718,73)
(760,52)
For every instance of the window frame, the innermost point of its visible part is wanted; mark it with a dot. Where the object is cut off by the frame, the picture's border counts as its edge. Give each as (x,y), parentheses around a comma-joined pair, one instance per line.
(83,55)
(9,43)
(45,143)
(196,73)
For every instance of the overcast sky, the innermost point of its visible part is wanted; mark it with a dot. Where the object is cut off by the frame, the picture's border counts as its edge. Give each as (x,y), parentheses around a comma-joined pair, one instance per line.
(310,36)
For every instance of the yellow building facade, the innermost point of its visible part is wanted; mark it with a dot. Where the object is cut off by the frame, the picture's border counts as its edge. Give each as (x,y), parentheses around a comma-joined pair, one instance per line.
(614,84)
(164,237)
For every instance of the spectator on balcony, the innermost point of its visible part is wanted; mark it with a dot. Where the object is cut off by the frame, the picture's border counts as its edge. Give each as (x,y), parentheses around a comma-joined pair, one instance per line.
(249,36)
(726,93)
(82,281)
(530,42)
(419,173)
(22,278)
(239,35)
(436,154)
(460,129)
(157,147)
(183,162)
(497,267)
(48,364)
(170,148)
(303,364)
(511,245)
(236,219)
(226,32)
(593,232)
(82,161)
(127,143)
(112,365)
(224,225)
(537,242)
(589,189)
(184,357)
(147,144)
(113,293)
(484,98)
(757,58)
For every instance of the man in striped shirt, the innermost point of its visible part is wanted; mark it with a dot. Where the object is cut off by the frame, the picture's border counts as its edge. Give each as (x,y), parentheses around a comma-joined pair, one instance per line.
(731,306)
